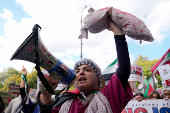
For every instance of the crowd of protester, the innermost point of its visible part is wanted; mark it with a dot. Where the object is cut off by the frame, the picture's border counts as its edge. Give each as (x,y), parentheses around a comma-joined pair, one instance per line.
(153,95)
(88,97)
(138,96)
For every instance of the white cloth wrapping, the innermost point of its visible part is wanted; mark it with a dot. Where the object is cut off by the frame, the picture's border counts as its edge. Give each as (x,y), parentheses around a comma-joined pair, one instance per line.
(131,26)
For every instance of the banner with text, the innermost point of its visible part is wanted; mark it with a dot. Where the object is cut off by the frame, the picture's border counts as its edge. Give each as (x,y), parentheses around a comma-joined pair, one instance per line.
(147,106)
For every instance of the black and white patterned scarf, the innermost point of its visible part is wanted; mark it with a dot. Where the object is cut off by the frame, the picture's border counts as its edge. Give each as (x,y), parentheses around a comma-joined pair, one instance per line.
(93,65)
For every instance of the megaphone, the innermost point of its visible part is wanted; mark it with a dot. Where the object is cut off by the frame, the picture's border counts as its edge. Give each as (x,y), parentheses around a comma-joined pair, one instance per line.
(33,50)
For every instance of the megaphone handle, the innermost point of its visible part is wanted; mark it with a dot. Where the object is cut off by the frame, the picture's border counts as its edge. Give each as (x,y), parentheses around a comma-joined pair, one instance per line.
(44,80)
(37,67)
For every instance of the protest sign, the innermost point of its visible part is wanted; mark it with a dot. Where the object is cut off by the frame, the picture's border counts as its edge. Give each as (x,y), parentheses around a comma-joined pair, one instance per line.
(136,73)
(6,97)
(166,83)
(147,106)
(133,87)
(159,90)
(164,71)
(14,89)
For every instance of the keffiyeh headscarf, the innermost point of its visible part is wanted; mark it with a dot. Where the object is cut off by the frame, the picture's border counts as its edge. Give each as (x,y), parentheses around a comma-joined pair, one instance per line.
(93,65)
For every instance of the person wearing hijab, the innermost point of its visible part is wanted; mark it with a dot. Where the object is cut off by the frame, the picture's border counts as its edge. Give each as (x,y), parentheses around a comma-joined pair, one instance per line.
(111,99)
(87,98)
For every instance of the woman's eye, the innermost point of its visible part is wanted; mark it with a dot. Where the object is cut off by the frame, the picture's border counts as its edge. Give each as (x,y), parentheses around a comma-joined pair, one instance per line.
(87,70)
(76,72)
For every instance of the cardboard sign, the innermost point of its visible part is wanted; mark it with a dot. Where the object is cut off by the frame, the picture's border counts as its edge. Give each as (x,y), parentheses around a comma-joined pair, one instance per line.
(133,87)
(164,71)
(136,73)
(166,83)
(14,89)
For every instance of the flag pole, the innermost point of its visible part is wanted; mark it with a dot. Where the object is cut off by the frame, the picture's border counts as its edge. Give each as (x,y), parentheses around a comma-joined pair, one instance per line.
(81,26)
(81,44)
(157,81)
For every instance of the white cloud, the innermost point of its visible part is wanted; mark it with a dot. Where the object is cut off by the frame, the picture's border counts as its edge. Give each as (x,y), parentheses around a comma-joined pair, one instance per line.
(2,41)
(158,20)
(60,22)
(7,14)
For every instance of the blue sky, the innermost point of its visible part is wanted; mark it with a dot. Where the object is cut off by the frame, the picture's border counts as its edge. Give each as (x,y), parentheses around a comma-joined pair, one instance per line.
(61,25)
(16,9)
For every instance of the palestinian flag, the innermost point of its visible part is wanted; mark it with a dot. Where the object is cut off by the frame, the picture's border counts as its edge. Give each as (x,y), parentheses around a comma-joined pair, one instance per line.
(164,60)
(151,81)
(146,87)
(110,70)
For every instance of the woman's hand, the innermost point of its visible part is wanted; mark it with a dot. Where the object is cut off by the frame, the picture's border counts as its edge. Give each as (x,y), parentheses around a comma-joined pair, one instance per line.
(166,98)
(114,28)
(46,96)
(24,71)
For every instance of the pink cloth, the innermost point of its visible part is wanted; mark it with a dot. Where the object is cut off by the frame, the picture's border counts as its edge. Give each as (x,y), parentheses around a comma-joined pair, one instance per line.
(131,26)
(113,91)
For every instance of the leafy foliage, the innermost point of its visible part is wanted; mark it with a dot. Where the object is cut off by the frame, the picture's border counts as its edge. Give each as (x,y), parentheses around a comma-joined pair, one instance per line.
(32,79)
(72,87)
(159,84)
(11,75)
(12,79)
(147,65)
(8,73)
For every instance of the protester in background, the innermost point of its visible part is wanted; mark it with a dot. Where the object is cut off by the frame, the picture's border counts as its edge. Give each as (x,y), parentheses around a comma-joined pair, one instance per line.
(13,105)
(2,107)
(154,95)
(32,106)
(166,94)
(138,96)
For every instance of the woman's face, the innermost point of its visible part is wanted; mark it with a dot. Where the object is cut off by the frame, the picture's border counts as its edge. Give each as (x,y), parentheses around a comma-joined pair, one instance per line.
(85,78)
(154,96)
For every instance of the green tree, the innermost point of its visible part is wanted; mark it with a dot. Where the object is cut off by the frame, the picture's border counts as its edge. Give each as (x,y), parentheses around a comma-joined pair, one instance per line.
(159,84)
(8,73)
(12,79)
(147,65)
(8,76)
(1,85)
(32,79)
(72,88)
